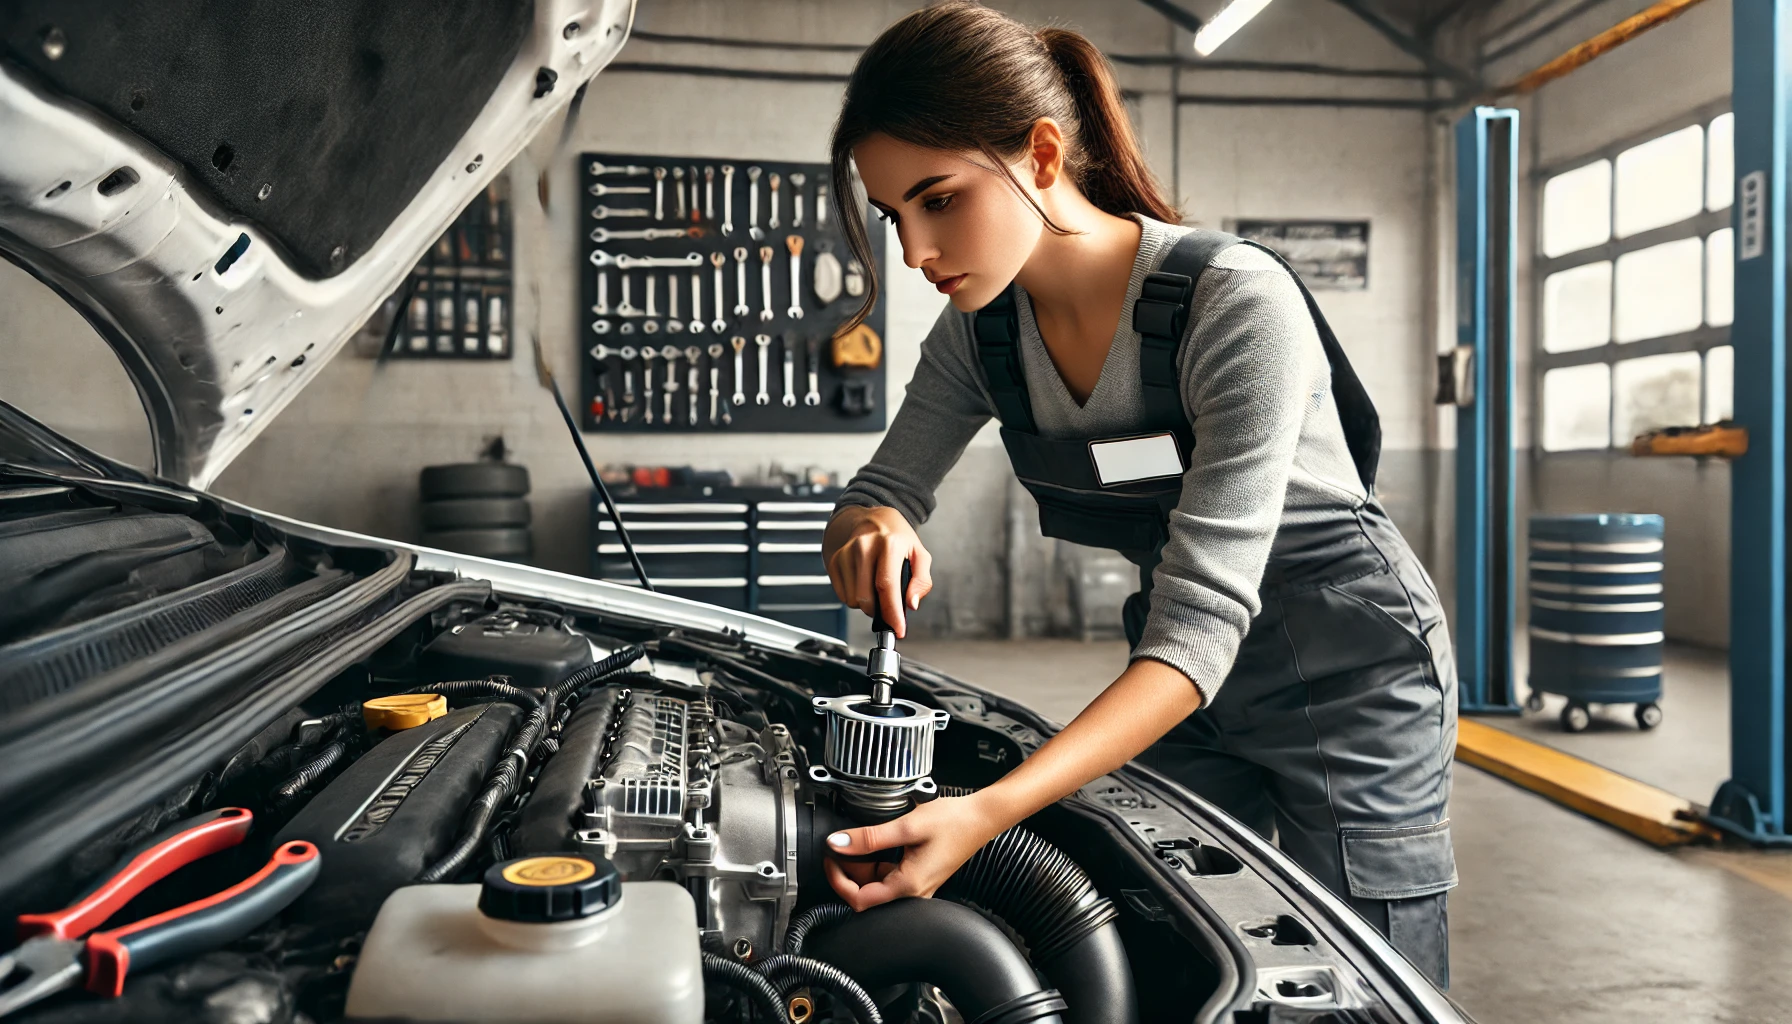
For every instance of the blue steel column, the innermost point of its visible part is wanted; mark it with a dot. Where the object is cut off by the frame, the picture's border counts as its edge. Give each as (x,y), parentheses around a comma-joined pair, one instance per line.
(1486,533)
(1753,802)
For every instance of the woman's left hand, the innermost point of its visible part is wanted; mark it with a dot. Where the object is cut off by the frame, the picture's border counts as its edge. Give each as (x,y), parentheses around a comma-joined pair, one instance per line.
(935,838)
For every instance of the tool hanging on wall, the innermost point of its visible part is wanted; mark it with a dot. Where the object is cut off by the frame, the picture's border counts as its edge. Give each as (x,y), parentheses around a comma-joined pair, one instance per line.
(828,275)
(854,279)
(858,349)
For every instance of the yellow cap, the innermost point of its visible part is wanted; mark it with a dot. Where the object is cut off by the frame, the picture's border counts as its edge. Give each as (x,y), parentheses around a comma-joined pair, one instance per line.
(403,710)
(548,870)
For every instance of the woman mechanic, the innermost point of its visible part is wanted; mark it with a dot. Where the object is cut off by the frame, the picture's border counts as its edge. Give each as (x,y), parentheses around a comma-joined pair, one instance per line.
(1289,660)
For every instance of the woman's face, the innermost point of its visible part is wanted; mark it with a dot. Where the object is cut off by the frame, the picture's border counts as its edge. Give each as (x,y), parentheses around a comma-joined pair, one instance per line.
(961,222)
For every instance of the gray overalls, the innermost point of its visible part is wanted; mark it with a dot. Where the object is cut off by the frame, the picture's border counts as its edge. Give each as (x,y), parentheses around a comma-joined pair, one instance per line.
(1335,728)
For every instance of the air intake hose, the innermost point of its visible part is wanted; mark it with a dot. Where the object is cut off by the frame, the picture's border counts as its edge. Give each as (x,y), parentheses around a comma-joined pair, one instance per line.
(954,947)
(1068,926)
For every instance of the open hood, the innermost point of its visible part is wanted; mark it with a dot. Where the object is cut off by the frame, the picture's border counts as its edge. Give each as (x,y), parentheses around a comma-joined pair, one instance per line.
(227,189)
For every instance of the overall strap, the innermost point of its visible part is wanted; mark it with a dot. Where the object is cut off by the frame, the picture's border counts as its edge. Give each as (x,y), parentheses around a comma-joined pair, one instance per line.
(996,329)
(1160,315)
(1356,413)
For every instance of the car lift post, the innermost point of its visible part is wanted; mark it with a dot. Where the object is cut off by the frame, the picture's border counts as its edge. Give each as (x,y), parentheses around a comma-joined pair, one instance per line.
(1752,803)
(1486,478)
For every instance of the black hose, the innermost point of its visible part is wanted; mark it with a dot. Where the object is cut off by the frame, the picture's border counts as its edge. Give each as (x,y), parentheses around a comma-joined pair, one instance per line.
(835,982)
(822,916)
(481,688)
(500,785)
(945,944)
(311,772)
(748,982)
(1070,929)
(593,673)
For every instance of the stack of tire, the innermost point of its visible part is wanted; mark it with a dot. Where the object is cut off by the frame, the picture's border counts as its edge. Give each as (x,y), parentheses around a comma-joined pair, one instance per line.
(477,508)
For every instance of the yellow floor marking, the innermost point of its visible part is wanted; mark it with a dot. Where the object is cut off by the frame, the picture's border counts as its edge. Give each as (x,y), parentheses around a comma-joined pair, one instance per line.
(1651,814)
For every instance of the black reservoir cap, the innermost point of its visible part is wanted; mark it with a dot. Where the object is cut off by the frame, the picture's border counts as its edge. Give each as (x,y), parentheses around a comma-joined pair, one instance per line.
(549,888)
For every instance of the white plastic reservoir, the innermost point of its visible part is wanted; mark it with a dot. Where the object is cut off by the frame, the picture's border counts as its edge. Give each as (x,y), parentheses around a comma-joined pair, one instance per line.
(545,940)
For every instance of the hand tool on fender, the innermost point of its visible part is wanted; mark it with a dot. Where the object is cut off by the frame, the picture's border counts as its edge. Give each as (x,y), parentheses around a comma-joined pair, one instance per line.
(884,666)
(59,952)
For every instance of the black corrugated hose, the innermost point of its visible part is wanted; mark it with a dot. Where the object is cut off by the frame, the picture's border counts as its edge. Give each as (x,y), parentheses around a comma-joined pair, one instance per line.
(801,970)
(820,916)
(598,672)
(748,982)
(312,770)
(493,688)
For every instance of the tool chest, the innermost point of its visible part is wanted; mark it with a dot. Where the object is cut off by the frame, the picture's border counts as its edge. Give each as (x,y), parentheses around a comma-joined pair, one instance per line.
(711,291)
(754,549)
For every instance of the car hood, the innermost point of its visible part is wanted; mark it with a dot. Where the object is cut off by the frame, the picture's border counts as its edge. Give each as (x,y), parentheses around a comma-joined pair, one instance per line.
(227,191)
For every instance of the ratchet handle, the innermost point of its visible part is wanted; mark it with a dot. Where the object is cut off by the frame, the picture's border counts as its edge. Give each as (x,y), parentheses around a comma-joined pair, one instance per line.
(879,624)
(202,924)
(149,862)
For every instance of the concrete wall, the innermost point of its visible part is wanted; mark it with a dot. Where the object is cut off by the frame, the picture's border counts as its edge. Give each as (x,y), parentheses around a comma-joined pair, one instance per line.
(1659,76)
(346,452)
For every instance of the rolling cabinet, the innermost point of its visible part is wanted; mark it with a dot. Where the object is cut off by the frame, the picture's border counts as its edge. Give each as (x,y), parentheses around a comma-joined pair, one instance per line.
(745,548)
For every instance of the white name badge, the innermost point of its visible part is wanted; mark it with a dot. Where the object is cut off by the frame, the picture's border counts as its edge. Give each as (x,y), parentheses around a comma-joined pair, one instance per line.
(1128,459)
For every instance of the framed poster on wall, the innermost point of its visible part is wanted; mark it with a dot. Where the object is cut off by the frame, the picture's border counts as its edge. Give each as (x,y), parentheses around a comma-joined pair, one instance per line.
(1328,254)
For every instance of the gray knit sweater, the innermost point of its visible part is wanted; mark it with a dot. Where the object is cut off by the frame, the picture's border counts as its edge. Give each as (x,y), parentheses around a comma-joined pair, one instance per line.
(1270,446)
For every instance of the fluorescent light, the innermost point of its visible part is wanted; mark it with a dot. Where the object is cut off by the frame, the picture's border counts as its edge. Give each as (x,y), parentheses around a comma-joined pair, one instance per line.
(1225,23)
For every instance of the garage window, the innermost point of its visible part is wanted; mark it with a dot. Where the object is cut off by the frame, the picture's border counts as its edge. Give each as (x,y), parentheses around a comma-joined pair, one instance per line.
(1634,275)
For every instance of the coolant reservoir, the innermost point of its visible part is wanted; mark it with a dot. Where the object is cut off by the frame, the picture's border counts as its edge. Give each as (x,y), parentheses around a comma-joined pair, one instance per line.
(544,940)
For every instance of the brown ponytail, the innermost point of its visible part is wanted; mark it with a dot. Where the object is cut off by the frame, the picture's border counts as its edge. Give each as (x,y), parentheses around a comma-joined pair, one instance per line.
(959,76)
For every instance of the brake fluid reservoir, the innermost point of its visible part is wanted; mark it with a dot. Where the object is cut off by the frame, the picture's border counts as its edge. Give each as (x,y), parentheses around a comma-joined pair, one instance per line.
(543,939)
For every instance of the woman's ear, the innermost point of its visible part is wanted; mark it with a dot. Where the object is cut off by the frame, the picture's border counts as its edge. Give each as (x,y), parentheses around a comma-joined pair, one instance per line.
(1046,148)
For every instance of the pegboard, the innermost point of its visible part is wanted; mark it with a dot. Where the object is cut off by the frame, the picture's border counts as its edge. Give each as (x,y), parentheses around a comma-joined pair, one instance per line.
(666,204)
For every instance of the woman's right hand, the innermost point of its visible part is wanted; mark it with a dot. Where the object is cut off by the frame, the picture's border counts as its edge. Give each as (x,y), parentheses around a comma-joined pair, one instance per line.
(864,549)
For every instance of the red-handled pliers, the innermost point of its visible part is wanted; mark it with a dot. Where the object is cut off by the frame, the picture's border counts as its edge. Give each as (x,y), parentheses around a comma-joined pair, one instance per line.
(54,955)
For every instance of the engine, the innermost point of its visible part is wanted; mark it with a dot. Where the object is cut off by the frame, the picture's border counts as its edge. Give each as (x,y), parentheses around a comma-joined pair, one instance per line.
(674,791)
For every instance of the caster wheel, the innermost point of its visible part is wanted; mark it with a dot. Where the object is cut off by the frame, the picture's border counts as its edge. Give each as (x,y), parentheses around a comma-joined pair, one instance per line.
(1576,718)
(1648,716)
(1534,702)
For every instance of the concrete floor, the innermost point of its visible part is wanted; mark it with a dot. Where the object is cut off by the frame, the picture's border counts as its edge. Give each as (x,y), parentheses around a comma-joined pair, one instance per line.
(1559,918)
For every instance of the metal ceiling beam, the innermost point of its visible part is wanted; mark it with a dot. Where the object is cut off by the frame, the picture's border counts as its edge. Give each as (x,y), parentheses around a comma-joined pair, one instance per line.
(1406,42)
(1179,15)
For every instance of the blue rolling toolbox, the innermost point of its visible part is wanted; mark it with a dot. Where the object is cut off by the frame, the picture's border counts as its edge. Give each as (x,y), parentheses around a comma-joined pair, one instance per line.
(1596,614)
(752,549)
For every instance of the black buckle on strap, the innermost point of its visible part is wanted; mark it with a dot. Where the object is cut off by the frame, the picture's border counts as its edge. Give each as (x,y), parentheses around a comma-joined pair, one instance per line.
(1162,307)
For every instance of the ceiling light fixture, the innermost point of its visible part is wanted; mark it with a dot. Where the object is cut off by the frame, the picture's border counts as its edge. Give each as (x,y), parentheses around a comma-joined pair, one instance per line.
(1228,21)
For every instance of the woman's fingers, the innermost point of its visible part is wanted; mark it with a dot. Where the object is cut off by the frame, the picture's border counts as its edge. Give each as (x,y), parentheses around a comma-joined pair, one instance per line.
(869,839)
(922,583)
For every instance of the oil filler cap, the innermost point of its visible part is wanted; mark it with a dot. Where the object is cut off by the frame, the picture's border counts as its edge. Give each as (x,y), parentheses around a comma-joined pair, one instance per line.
(550,888)
(403,710)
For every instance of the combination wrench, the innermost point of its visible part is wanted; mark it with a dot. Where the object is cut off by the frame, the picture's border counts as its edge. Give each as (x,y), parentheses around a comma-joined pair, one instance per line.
(602,308)
(601,189)
(691,355)
(772,221)
(696,216)
(740,282)
(740,375)
(677,188)
(659,194)
(602,235)
(727,200)
(673,323)
(789,374)
(715,383)
(671,387)
(630,171)
(753,229)
(765,283)
(716,259)
(627,352)
(696,302)
(797,181)
(813,396)
(627,306)
(794,244)
(709,192)
(652,326)
(606,212)
(600,258)
(764,341)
